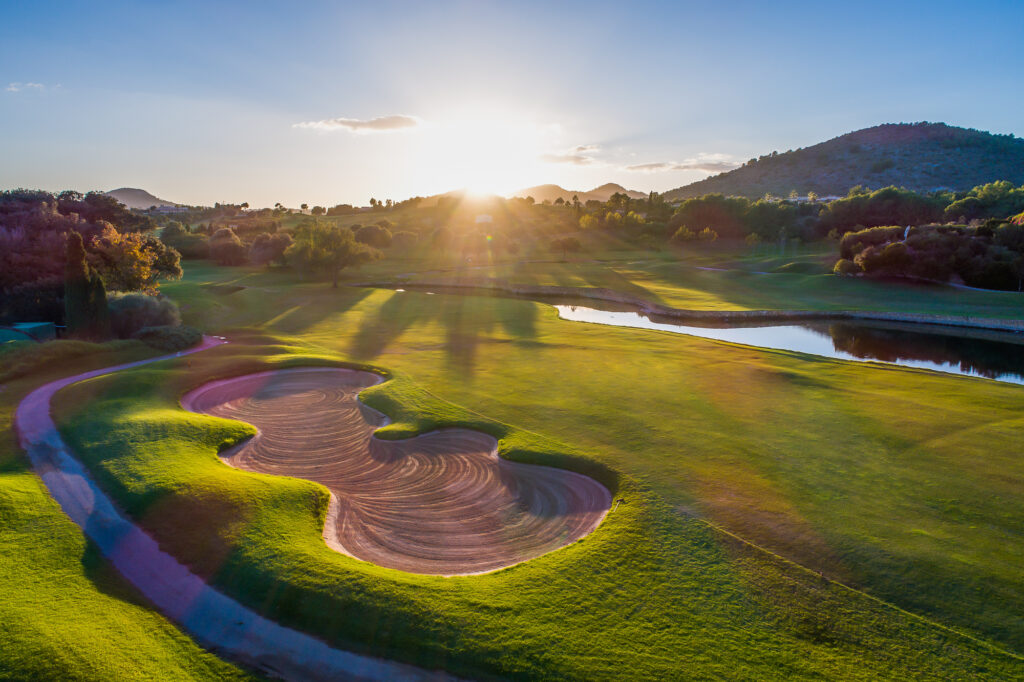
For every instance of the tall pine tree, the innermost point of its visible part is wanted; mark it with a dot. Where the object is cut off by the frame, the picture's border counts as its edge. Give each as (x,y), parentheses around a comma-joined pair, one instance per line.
(85,298)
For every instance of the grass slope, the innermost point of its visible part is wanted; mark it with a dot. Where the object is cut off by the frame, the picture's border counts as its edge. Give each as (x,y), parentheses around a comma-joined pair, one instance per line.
(900,482)
(64,613)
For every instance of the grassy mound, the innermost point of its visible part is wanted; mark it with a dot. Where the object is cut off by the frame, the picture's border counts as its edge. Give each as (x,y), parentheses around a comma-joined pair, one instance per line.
(64,613)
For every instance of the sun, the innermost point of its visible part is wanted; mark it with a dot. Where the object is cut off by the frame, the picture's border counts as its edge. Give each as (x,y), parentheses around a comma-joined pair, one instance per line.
(484,151)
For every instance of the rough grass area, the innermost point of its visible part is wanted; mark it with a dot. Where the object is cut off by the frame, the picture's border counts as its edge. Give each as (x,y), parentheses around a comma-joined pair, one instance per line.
(901,483)
(64,613)
(21,358)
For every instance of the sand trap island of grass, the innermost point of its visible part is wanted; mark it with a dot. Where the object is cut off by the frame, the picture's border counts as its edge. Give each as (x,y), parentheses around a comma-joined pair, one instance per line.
(442,503)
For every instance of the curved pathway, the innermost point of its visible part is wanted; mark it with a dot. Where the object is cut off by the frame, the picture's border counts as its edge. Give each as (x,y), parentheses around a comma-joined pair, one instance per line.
(441,503)
(217,622)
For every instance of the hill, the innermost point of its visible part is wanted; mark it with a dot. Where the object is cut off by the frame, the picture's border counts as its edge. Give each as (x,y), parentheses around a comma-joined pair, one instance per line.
(918,156)
(543,193)
(138,198)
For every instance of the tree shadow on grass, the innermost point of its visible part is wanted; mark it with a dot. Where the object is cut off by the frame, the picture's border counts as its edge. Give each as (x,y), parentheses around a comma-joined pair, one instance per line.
(305,311)
(465,321)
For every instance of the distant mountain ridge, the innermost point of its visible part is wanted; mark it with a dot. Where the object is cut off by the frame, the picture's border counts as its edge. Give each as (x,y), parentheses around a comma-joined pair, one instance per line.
(542,193)
(919,156)
(138,198)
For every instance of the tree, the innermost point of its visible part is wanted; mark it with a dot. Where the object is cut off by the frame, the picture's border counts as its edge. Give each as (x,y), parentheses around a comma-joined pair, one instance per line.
(319,210)
(619,200)
(374,235)
(226,248)
(131,261)
(304,206)
(328,249)
(566,244)
(267,247)
(85,299)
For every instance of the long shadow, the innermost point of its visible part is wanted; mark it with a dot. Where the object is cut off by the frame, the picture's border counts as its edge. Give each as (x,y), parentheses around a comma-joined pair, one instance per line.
(397,314)
(466,320)
(314,307)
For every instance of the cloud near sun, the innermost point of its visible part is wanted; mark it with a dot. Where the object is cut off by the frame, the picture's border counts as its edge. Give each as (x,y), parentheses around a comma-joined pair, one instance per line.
(381,124)
(582,155)
(577,156)
(708,163)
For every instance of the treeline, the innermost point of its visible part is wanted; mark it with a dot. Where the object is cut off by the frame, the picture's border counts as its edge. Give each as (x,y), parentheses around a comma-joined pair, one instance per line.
(88,263)
(990,256)
(245,243)
(34,229)
(717,216)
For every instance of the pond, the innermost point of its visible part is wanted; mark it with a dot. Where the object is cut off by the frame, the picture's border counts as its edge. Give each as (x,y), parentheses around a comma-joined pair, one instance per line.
(992,355)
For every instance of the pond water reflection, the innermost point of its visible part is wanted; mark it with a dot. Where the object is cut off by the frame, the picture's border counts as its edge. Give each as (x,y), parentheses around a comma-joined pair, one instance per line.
(992,355)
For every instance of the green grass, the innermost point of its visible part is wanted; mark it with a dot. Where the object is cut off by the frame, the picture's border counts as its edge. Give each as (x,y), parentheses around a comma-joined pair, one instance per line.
(723,277)
(901,483)
(64,612)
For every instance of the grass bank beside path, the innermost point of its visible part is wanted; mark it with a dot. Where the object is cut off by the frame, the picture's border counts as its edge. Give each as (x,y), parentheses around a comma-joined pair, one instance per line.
(64,613)
(900,482)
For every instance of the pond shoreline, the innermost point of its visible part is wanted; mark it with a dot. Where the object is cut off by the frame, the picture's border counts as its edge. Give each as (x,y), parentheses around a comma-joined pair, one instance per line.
(754,316)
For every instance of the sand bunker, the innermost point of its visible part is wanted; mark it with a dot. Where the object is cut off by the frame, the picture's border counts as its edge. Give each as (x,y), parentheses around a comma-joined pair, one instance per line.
(442,503)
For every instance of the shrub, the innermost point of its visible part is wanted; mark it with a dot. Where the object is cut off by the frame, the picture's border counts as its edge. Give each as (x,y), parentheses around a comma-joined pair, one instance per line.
(191,246)
(267,247)
(131,312)
(890,259)
(377,236)
(169,339)
(566,244)
(683,234)
(173,230)
(1011,235)
(226,248)
(882,165)
(846,268)
(404,239)
(43,301)
(707,235)
(853,243)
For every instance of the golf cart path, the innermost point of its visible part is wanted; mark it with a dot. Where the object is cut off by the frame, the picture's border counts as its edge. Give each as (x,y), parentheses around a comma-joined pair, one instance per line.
(216,621)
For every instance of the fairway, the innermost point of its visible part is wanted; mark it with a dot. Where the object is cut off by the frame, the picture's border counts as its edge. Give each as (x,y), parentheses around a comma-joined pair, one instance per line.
(681,428)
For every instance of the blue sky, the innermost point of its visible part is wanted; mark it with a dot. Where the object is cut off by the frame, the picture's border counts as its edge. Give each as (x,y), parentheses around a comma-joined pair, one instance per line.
(273,101)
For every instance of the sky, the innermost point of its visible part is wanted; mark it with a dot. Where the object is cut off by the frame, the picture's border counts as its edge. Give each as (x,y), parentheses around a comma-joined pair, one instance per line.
(333,102)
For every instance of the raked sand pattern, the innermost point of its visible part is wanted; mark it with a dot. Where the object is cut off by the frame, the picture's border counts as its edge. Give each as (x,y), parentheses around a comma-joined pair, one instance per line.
(442,503)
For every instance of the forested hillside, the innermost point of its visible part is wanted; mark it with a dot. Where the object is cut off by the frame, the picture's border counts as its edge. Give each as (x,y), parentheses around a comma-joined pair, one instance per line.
(919,156)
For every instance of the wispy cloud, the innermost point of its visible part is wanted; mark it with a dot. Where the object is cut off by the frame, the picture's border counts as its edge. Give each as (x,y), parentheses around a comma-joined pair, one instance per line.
(707,163)
(18,87)
(576,156)
(381,124)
